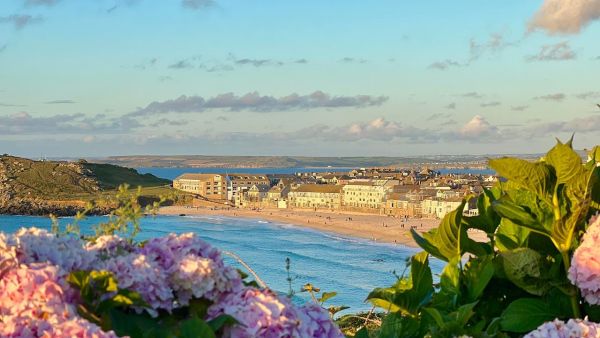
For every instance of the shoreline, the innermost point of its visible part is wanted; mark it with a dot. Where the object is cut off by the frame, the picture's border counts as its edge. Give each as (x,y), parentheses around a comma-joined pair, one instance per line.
(377,228)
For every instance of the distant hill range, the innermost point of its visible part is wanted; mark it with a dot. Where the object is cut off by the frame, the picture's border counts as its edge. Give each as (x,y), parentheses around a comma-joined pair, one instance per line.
(209,161)
(206,161)
(42,187)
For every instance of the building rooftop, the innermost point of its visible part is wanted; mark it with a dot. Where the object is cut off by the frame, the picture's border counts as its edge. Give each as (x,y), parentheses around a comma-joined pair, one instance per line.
(199,177)
(324,188)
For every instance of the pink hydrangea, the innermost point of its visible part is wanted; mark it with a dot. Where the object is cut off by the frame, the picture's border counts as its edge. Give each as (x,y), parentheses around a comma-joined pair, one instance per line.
(261,313)
(39,327)
(585,264)
(194,267)
(37,302)
(315,322)
(35,245)
(108,246)
(8,253)
(138,273)
(574,328)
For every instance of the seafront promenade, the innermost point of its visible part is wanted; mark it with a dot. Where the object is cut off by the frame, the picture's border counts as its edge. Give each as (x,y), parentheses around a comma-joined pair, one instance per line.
(378,228)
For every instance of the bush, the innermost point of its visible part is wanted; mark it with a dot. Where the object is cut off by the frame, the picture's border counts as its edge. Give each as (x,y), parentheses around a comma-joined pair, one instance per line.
(522,276)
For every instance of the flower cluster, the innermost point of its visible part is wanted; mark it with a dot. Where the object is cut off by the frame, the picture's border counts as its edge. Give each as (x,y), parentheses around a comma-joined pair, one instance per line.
(573,328)
(37,302)
(108,246)
(38,245)
(194,267)
(261,313)
(166,272)
(585,265)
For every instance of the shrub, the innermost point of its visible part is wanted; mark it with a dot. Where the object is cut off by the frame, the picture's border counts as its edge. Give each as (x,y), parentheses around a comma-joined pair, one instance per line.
(521,277)
(61,285)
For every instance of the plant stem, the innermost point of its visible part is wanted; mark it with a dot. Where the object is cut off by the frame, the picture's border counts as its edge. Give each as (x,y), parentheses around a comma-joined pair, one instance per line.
(574,297)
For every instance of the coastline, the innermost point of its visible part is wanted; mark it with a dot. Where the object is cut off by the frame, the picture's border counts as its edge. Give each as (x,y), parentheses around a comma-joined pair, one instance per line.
(378,228)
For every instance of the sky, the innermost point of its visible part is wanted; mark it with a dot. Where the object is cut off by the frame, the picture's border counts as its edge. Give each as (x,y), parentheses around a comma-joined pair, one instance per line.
(86,78)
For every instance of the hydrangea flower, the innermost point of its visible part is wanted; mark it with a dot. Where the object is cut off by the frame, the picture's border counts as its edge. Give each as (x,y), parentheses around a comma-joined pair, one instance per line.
(8,253)
(261,313)
(35,245)
(585,264)
(574,328)
(37,302)
(315,322)
(138,273)
(194,267)
(107,246)
(167,272)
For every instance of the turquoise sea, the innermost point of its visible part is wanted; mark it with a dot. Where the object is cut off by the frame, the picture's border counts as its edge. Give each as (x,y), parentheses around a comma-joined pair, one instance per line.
(352,267)
(172,173)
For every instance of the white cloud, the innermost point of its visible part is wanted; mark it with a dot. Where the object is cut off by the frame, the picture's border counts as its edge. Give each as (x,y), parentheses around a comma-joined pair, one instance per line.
(565,16)
(478,128)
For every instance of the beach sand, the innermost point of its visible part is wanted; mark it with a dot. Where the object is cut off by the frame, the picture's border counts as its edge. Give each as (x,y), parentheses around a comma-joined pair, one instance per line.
(378,228)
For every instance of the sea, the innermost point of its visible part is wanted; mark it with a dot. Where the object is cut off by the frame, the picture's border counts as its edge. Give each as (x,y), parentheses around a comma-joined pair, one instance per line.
(172,173)
(349,266)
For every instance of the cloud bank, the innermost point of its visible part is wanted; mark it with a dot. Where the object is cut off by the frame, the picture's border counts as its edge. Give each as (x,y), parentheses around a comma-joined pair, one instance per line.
(257,103)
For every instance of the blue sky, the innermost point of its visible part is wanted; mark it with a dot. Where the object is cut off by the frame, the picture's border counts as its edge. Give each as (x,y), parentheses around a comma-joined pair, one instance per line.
(116,77)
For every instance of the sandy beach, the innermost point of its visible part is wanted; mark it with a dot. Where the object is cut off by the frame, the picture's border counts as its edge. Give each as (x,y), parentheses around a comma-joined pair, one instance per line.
(378,228)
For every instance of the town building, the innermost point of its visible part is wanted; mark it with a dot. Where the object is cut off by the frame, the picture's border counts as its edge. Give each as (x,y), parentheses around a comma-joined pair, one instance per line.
(320,196)
(401,205)
(366,195)
(238,183)
(211,186)
(439,207)
(258,192)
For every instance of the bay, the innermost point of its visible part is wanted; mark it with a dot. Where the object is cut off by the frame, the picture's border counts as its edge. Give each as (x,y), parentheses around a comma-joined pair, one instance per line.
(172,173)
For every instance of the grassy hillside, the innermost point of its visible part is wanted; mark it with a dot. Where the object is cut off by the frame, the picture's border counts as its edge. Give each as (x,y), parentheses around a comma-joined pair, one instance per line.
(62,188)
(24,178)
(110,176)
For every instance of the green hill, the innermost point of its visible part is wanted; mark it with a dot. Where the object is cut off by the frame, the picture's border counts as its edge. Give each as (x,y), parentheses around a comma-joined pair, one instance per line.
(110,176)
(63,188)
(20,177)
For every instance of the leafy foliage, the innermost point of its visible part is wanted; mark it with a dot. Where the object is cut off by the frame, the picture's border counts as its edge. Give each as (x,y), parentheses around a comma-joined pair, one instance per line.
(517,279)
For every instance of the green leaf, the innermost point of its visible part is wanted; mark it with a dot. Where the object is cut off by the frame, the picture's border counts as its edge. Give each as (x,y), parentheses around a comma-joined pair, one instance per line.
(362,333)
(510,236)
(519,215)
(325,296)
(128,324)
(526,314)
(487,220)
(524,267)
(450,278)
(449,240)
(407,295)
(221,321)
(478,272)
(394,325)
(195,327)
(568,167)
(199,307)
(537,177)
(335,309)
(436,315)
(465,313)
